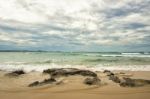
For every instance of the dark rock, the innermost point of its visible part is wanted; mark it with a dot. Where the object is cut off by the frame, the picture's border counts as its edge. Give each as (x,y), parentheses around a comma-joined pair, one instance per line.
(36,83)
(121,73)
(106,71)
(128,82)
(49,71)
(69,71)
(46,81)
(114,78)
(92,81)
(86,73)
(110,74)
(19,72)
(143,81)
(16,73)
(60,72)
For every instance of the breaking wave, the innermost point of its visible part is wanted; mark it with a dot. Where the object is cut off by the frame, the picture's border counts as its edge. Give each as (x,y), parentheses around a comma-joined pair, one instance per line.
(40,68)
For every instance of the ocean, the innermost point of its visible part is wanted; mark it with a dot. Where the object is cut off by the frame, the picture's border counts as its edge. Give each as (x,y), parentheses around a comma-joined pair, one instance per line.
(97,61)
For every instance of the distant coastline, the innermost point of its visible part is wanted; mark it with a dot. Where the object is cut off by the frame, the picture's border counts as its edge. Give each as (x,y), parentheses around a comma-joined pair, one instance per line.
(142,52)
(22,51)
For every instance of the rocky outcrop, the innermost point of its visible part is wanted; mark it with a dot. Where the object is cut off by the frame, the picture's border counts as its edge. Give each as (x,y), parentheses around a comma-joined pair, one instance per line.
(109,73)
(16,73)
(114,78)
(69,71)
(92,81)
(58,72)
(106,71)
(46,81)
(128,82)
(36,83)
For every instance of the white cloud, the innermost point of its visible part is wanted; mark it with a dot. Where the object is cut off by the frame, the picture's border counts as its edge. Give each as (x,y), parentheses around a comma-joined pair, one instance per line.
(68,22)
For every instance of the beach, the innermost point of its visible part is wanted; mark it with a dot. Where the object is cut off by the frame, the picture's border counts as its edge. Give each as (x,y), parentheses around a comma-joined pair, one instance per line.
(74,49)
(74,75)
(72,87)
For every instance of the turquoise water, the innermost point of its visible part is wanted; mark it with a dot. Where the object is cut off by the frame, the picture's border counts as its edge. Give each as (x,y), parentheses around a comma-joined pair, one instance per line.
(83,59)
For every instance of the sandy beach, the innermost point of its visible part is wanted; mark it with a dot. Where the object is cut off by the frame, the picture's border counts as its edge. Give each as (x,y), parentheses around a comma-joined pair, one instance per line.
(74,49)
(72,87)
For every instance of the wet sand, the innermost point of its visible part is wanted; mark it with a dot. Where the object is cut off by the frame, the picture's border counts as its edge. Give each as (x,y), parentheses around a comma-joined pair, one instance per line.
(72,87)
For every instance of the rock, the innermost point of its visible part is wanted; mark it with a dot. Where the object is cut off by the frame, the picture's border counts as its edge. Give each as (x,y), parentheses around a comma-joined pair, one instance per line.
(108,72)
(49,71)
(60,72)
(46,81)
(128,82)
(69,71)
(92,81)
(36,83)
(114,78)
(86,73)
(16,73)
(121,73)
(19,72)
(65,72)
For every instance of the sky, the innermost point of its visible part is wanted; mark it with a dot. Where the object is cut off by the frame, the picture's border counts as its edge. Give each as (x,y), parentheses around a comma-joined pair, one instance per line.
(75,25)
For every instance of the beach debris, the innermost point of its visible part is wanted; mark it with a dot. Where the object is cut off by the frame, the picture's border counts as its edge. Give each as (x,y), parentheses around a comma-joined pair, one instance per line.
(46,81)
(16,73)
(92,81)
(69,71)
(128,82)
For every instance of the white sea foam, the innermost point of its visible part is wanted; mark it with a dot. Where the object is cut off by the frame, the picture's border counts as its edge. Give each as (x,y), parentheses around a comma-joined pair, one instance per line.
(40,68)
(126,55)
(123,67)
(131,53)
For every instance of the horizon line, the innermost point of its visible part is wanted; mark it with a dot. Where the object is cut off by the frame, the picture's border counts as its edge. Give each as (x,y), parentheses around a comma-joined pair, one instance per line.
(75,51)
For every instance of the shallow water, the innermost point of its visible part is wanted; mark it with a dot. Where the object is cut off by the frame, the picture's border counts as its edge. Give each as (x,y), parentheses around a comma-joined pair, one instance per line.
(98,61)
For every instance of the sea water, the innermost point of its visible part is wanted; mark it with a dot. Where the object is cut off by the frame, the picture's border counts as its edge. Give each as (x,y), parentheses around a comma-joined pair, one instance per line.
(98,61)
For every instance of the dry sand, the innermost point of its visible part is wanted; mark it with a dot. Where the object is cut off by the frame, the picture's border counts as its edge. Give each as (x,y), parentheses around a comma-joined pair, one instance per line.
(71,88)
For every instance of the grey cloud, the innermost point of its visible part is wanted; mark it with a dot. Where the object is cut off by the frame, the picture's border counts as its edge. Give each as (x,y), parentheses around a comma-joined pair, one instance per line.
(59,30)
(125,10)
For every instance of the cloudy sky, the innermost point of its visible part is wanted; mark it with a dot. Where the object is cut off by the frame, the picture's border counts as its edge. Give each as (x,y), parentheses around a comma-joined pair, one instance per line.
(75,25)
